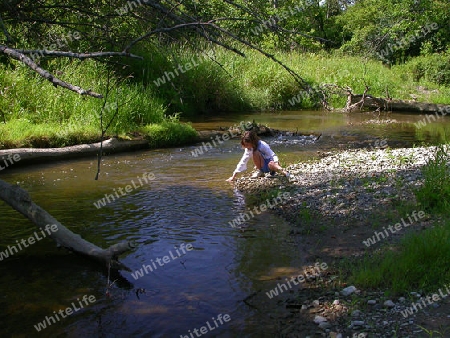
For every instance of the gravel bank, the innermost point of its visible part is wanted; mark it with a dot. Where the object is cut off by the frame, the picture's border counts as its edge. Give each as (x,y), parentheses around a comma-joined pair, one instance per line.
(347,186)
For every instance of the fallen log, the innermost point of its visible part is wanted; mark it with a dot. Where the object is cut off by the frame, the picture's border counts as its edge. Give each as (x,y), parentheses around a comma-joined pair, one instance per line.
(382,104)
(21,201)
(110,146)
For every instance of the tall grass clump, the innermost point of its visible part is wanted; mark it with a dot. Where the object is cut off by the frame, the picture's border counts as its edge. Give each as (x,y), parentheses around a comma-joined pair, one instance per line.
(419,263)
(169,133)
(434,194)
(189,81)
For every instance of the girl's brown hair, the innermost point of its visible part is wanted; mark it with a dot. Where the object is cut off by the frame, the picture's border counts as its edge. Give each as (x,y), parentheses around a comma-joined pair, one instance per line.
(250,137)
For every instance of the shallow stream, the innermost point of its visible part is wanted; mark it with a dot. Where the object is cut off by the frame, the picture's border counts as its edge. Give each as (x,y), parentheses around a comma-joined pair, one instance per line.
(188,203)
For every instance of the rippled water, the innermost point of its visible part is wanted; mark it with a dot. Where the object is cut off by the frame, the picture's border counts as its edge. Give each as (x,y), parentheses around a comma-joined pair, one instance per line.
(188,202)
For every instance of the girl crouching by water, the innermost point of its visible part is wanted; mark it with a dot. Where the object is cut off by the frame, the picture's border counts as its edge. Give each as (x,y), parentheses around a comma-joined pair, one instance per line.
(263,157)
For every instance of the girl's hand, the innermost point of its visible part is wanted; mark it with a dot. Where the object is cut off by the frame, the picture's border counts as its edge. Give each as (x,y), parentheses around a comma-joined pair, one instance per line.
(231,179)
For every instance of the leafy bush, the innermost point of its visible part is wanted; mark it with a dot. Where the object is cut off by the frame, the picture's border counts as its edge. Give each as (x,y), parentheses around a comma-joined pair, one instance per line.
(433,68)
(434,194)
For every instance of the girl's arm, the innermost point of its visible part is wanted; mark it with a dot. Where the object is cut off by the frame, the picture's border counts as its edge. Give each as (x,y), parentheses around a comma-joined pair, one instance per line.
(242,165)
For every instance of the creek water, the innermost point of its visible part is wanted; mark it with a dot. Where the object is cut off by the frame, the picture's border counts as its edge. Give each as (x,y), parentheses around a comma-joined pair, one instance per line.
(187,204)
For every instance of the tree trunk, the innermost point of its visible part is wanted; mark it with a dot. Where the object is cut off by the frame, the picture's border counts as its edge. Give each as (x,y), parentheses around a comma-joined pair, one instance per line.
(21,201)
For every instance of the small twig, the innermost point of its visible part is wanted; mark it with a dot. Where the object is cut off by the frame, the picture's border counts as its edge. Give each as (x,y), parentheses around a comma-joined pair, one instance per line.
(246,299)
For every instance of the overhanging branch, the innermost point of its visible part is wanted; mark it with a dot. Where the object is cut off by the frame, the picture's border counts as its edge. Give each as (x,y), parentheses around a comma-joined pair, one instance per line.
(13,53)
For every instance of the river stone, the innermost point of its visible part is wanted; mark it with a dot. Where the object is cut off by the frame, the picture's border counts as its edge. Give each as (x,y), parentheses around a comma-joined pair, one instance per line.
(358,323)
(324,325)
(348,291)
(320,319)
(371,302)
(389,303)
(356,313)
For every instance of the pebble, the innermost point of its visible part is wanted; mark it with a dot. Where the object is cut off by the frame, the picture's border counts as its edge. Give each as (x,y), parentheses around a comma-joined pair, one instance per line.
(358,323)
(324,325)
(348,291)
(389,303)
(319,319)
(356,313)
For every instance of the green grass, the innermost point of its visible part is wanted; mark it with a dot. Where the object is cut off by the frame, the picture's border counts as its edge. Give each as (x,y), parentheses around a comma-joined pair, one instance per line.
(219,81)
(169,134)
(22,133)
(419,263)
(226,82)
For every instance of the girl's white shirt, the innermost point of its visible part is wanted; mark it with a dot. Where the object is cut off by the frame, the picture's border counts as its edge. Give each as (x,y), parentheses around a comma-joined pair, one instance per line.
(263,148)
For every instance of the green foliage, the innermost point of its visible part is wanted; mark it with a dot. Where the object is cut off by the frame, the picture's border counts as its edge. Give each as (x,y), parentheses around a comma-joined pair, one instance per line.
(420,263)
(393,31)
(434,68)
(434,194)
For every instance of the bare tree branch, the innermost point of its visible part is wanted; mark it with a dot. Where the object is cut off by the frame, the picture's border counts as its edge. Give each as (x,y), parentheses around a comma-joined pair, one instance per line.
(164,30)
(81,56)
(45,74)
